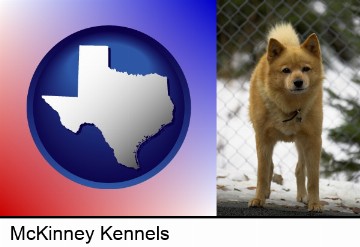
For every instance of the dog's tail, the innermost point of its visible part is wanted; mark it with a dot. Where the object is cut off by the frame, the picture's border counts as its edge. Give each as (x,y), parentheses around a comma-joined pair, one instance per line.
(285,34)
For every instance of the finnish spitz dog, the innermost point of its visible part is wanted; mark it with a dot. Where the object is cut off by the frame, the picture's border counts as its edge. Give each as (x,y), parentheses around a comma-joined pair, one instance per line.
(286,105)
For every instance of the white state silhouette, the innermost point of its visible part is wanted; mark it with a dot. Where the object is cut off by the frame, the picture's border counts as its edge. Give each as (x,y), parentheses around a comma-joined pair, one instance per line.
(126,108)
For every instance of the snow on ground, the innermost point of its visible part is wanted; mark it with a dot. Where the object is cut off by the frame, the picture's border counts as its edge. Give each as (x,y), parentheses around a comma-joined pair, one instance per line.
(237,161)
(338,196)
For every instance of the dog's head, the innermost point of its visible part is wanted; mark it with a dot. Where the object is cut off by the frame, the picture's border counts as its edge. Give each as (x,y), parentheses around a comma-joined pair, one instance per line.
(294,68)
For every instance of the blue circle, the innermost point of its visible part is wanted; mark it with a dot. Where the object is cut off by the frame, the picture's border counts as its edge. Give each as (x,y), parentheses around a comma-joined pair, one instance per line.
(85,157)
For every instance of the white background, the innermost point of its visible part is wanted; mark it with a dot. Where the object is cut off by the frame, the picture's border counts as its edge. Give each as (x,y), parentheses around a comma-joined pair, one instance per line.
(202,232)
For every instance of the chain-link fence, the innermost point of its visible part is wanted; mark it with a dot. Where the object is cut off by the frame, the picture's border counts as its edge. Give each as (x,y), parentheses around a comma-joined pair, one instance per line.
(242,27)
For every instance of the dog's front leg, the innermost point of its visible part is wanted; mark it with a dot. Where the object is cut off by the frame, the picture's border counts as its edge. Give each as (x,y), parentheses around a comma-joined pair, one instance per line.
(312,152)
(264,149)
(300,173)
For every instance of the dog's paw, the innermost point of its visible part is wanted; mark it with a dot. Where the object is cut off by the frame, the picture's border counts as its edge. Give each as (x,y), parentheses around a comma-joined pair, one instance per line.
(256,202)
(315,207)
(302,198)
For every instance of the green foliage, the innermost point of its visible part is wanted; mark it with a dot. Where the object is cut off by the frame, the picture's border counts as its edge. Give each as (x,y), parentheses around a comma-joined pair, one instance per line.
(332,166)
(347,135)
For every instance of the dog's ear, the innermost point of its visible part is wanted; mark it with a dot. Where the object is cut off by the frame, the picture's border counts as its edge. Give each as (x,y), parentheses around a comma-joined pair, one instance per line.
(312,45)
(275,48)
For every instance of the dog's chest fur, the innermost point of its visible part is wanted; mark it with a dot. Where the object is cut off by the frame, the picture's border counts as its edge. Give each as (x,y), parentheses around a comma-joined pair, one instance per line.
(285,131)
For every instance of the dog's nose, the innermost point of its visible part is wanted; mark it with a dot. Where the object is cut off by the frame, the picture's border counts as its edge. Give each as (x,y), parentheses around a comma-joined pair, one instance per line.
(298,83)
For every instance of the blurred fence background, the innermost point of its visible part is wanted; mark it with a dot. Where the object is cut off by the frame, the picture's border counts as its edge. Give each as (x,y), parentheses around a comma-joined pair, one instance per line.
(241,40)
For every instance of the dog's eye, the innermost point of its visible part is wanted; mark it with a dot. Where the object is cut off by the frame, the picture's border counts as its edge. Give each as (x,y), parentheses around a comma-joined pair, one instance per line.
(286,70)
(306,69)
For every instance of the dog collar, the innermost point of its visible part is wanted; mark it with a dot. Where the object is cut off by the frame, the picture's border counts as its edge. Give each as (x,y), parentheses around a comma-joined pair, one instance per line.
(296,114)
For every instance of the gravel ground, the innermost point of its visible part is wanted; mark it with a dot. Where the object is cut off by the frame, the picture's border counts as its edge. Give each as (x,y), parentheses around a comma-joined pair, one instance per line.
(240,209)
